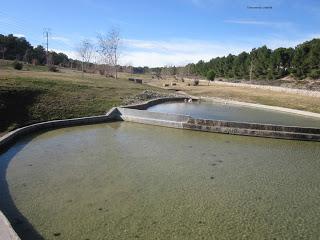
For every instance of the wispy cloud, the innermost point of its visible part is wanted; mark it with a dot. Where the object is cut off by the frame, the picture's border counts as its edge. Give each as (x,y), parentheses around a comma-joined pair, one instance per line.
(179,52)
(19,35)
(248,22)
(174,52)
(261,23)
(63,40)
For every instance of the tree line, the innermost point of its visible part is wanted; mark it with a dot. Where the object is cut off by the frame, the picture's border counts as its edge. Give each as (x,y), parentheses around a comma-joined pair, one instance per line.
(264,64)
(259,64)
(18,48)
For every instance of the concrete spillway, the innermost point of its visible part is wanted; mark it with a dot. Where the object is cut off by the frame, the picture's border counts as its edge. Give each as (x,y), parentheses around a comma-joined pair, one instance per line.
(237,128)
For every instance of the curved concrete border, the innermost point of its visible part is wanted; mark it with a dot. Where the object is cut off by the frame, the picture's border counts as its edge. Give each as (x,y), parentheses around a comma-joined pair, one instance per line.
(112,115)
(262,106)
(15,134)
(253,105)
(6,230)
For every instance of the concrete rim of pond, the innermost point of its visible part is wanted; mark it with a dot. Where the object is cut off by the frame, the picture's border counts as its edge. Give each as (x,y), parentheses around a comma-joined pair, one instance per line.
(121,113)
(137,113)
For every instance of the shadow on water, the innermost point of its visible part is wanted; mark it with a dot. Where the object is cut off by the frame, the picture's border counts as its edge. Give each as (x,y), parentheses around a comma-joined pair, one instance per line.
(20,224)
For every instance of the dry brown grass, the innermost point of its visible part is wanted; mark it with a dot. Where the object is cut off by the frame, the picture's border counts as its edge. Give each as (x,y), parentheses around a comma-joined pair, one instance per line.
(247,94)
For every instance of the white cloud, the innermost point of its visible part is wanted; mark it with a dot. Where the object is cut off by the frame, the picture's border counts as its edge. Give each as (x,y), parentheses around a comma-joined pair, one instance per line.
(285,25)
(175,52)
(248,22)
(62,40)
(178,52)
(19,35)
(69,53)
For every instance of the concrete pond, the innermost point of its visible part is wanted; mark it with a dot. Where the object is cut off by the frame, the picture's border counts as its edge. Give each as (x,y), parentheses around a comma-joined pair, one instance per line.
(123,180)
(120,179)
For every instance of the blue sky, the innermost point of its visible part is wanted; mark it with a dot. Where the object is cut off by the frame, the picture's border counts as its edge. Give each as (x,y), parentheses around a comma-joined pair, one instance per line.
(158,33)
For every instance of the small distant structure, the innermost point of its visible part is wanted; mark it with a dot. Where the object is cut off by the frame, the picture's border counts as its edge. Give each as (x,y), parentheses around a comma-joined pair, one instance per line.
(165,85)
(136,80)
(173,84)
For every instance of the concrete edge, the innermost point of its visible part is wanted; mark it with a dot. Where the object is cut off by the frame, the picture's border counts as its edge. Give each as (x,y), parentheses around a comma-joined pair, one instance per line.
(10,137)
(261,106)
(218,126)
(6,230)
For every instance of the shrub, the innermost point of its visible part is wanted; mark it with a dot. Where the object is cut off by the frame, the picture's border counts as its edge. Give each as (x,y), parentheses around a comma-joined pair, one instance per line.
(17,65)
(211,75)
(53,68)
(315,74)
(195,82)
(102,71)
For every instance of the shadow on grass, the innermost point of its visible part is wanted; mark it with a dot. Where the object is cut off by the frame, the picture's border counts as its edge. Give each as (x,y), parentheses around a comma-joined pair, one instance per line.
(20,224)
(14,105)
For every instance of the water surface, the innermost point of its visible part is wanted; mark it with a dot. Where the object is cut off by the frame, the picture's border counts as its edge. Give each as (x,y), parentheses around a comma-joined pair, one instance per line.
(135,181)
(230,112)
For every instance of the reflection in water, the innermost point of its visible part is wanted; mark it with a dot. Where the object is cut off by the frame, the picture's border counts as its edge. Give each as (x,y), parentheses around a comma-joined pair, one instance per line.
(127,181)
(229,112)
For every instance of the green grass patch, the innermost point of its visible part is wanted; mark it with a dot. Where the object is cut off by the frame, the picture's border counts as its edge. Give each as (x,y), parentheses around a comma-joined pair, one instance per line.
(30,97)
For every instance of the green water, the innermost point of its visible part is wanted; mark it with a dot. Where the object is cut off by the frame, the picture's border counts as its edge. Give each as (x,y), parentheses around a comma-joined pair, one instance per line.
(134,181)
(231,112)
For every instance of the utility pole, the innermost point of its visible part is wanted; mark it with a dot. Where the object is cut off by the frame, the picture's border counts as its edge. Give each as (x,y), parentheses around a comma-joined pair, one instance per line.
(46,33)
(251,67)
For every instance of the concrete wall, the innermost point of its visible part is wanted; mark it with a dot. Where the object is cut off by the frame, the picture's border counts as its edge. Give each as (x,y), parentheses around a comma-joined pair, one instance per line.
(304,92)
(255,130)
(12,136)
(152,118)
(273,88)
(228,127)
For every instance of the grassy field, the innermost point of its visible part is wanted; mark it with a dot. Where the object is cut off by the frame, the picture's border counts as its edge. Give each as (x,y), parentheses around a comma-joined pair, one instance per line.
(246,94)
(34,94)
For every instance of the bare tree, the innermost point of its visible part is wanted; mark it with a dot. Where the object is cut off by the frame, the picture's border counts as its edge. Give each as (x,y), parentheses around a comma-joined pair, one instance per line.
(109,49)
(85,51)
